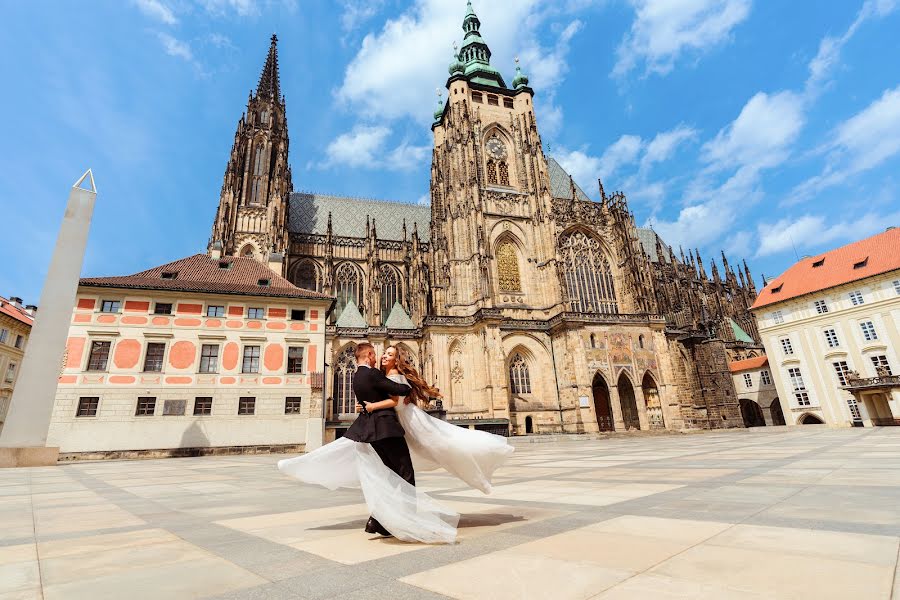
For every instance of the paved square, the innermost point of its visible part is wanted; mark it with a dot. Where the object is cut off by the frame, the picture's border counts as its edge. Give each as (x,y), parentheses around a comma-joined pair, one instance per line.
(766,513)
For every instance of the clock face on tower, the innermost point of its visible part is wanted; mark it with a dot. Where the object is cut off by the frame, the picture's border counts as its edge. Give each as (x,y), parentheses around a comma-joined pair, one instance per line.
(496,149)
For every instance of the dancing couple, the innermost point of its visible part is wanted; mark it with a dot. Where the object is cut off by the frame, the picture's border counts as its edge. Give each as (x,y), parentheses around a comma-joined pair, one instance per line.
(391,440)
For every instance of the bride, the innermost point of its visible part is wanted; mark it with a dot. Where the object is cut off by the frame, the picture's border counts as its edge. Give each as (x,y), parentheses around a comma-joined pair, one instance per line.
(409,514)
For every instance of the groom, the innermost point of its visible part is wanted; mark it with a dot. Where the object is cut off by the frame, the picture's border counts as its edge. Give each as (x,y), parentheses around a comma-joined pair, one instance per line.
(377,423)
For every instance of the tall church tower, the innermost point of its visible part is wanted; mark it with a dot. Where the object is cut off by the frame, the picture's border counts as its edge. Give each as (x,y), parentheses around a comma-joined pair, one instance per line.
(492,245)
(253,205)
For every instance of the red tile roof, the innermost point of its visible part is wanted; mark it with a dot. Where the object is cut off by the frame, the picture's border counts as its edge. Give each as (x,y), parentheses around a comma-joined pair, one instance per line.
(19,314)
(201,273)
(872,256)
(748,363)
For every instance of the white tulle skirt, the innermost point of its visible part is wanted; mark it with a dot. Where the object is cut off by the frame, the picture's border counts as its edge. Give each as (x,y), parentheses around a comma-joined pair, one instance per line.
(408,513)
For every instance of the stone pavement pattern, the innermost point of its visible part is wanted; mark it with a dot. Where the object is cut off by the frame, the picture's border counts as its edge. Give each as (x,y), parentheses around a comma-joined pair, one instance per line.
(768,513)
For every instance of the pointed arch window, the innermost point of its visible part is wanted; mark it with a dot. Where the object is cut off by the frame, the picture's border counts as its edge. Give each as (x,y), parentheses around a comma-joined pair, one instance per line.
(519,379)
(345,367)
(348,286)
(508,267)
(492,172)
(258,169)
(503,169)
(587,275)
(307,275)
(391,290)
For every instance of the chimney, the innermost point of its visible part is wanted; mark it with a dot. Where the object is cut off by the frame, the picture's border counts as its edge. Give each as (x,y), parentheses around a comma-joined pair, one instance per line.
(31,309)
(276,260)
(215,251)
(17,302)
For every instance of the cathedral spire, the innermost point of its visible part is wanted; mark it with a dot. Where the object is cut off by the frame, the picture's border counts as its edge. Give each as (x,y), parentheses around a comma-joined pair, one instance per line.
(269,82)
(475,57)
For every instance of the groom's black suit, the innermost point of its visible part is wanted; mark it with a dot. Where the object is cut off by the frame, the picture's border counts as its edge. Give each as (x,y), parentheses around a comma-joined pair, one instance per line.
(381,428)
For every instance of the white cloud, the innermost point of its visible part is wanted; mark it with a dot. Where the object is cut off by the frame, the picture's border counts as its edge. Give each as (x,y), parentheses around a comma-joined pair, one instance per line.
(581,166)
(364,147)
(156,9)
(830,47)
(665,29)
(176,47)
(357,12)
(242,8)
(396,69)
(761,134)
(813,231)
(586,169)
(623,152)
(424,200)
(663,146)
(859,144)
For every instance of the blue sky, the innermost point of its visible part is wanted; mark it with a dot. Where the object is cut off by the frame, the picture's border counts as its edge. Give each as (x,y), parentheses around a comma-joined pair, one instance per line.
(762,128)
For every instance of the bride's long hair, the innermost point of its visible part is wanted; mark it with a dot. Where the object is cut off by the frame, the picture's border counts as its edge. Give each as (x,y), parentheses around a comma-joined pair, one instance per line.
(421,390)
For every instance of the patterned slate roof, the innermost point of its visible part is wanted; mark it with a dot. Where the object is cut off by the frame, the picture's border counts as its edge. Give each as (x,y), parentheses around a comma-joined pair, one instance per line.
(560,184)
(351,317)
(201,273)
(866,258)
(309,214)
(739,334)
(398,318)
(647,237)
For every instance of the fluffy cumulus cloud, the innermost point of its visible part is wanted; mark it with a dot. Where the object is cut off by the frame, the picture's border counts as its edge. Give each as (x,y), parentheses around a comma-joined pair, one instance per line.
(357,12)
(175,47)
(396,69)
(863,142)
(664,30)
(366,147)
(663,146)
(586,169)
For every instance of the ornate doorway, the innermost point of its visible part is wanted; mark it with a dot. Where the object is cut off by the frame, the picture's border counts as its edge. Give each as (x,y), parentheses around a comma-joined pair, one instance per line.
(628,402)
(654,406)
(602,405)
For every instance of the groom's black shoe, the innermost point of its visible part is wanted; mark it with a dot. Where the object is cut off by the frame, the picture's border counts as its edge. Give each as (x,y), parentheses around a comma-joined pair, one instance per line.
(373,526)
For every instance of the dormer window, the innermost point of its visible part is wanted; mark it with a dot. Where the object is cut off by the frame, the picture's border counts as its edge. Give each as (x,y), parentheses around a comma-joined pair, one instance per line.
(862,263)
(777,288)
(170,274)
(263,282)
(224,264)
(819,263)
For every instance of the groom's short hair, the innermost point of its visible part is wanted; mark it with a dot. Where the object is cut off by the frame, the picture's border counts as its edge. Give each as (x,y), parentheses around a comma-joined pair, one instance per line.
(363,349)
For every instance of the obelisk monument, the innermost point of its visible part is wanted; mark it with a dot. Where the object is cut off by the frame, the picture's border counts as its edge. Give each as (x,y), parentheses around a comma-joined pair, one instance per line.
(23,440)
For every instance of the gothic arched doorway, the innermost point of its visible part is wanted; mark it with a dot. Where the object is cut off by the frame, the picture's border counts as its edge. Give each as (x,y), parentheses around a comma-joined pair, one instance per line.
(628,403)
(602,405)
(654,406)
(529,425)
(777,414)
(752,413)
(811,420)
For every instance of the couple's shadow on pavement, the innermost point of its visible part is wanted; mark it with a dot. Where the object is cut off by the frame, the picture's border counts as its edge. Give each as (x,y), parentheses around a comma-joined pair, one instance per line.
(465,522)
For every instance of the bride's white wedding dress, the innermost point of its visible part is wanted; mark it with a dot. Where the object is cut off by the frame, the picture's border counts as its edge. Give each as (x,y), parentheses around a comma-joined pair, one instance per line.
(408,513)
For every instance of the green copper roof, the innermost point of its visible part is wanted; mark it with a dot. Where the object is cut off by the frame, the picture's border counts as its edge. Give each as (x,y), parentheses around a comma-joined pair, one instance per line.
(520,80)
(350,317)
(399,319)
(475,55)
(739,334)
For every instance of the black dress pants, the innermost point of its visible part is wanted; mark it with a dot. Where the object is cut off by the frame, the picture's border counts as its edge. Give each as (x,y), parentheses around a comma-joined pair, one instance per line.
(394,453)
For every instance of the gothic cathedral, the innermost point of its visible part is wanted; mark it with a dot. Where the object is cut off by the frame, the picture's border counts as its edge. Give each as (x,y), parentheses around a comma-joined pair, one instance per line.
(533,308)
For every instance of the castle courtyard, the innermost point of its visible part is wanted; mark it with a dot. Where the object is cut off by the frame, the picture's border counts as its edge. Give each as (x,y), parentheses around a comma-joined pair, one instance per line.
(764,513)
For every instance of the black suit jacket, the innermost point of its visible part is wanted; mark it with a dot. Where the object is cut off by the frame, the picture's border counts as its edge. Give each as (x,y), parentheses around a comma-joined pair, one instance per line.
(371,385)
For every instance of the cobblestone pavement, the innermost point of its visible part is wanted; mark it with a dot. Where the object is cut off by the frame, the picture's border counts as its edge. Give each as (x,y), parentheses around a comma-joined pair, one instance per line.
(768,513)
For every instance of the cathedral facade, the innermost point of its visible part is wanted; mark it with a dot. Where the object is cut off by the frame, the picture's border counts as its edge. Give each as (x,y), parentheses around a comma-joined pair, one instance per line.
(532,307)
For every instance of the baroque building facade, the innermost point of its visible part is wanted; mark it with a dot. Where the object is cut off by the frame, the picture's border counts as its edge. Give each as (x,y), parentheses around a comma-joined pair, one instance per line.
(532,307)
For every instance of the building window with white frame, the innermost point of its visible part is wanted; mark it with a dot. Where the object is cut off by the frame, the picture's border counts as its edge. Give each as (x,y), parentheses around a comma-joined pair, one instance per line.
(146,407)
(748,381)
(10,372)
(20,342)
(99,356)
(868,331)
(215,311)
(881,362)
(247,405)
(841,369)
(4,335)
(786,346)
(110,306)
(800,392)
(856,298)
(821,307)
(831,338)
(209,358)
(765,377)
(897,286)
(778,317)
(87,406)
(251,360)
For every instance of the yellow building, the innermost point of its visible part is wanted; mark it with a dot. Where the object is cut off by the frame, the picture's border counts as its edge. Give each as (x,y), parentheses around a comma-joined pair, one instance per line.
(15,327)
(204,355)
(831,328)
